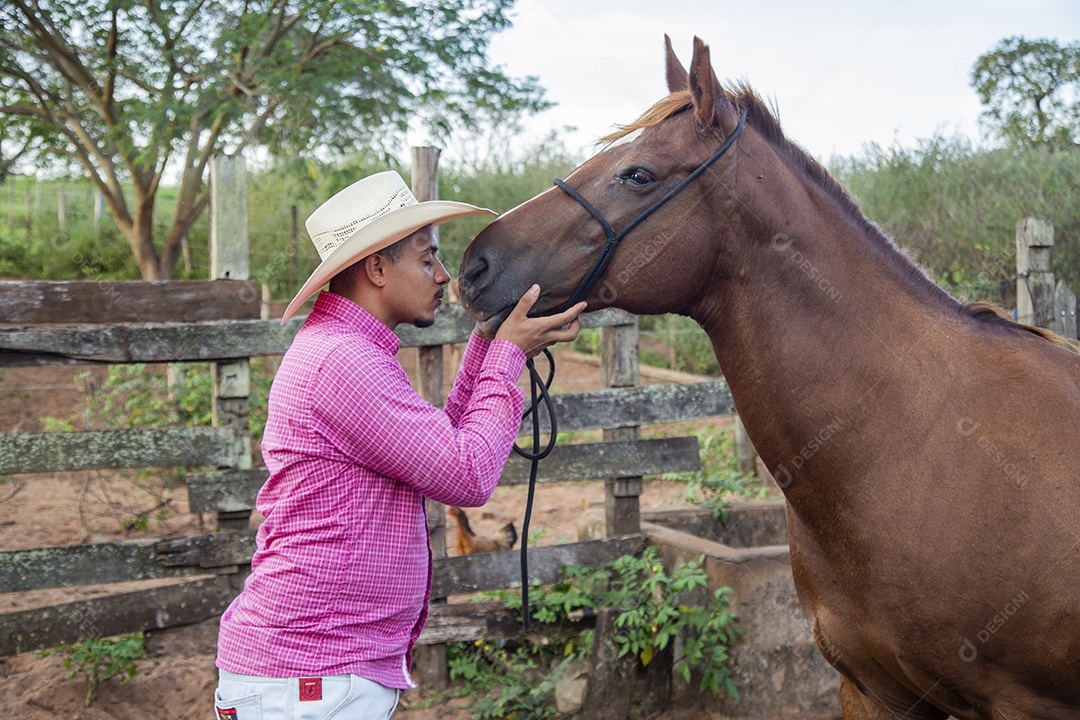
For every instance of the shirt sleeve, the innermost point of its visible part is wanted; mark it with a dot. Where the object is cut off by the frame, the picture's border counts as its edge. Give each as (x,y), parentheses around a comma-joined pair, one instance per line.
(472,362)
(365,408)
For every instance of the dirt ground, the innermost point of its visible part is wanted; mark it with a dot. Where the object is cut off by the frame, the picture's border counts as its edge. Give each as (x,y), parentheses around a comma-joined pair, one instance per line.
(177,680)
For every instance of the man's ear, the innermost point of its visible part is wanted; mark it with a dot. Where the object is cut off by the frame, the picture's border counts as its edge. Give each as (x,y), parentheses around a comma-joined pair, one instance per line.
(374,267)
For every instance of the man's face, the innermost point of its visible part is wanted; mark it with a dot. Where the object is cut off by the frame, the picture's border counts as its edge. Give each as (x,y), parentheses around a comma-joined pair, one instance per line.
(416,280)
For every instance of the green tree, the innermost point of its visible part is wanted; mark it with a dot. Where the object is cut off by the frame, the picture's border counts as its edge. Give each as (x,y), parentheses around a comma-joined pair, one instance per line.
(1031,90)
(135,90)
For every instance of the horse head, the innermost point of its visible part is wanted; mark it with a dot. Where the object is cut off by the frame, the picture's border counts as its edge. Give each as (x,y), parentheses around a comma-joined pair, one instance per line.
(554,238)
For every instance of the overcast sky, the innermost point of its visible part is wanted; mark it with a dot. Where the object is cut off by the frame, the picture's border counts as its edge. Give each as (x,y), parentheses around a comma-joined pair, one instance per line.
(842,72)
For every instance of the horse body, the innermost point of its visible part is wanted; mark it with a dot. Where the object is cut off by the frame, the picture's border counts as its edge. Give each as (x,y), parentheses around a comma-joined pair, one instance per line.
(925,448)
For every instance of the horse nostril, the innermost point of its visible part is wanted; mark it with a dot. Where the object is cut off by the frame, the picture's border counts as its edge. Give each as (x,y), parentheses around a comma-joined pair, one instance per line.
(474,274)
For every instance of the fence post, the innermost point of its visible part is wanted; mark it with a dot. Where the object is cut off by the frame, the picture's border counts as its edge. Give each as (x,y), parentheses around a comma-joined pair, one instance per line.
(430,660)
(99,209)
(619,368)
(1064,321)
(745,454)
(1034,281)
(229,260)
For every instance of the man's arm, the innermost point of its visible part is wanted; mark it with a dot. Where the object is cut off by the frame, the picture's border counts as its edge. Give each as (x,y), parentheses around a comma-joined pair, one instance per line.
(365,408)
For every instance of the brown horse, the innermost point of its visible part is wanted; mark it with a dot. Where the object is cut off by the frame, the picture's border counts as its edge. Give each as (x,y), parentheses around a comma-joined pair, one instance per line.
(926,447)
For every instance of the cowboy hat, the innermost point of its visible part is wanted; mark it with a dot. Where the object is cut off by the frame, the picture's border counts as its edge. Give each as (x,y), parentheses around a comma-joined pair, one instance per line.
(367,216)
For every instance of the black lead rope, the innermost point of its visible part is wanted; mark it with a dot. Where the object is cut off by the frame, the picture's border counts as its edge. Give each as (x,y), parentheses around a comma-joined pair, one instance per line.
(539,387)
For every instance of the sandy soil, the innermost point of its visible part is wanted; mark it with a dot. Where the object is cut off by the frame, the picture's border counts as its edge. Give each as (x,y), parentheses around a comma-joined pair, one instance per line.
(177,680)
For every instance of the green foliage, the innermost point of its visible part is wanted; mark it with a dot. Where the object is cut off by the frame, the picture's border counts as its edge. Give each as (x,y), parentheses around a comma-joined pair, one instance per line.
(719,481)
(587,341)
(137,396)
(654,608)
(125,90)
(510,680)
(1031,90)
(99,660)
(955,207)
(134,396)
(684,345)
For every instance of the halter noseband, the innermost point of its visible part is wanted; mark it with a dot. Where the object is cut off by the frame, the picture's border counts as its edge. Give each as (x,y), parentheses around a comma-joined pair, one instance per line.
(613,238)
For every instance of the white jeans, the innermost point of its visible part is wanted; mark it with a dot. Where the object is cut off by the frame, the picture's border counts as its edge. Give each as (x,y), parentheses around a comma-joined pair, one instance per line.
(342,697)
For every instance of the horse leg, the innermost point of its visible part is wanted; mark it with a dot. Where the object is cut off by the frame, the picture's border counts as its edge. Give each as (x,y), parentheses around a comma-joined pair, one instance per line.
(857,705)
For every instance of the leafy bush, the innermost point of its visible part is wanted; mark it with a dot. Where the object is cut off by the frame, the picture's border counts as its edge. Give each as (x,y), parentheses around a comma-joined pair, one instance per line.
(507,679)
(99,660)
(719,481)
(686,346)
(956,207)
(654,608)
(138,396)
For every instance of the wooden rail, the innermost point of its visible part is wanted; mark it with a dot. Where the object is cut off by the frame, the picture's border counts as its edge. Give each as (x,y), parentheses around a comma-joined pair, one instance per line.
(206,341)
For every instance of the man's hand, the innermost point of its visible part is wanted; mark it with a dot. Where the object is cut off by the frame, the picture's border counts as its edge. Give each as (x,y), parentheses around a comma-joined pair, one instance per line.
(532,335)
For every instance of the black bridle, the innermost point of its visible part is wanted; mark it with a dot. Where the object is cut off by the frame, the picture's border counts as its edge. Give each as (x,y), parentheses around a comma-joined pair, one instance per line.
(539,387)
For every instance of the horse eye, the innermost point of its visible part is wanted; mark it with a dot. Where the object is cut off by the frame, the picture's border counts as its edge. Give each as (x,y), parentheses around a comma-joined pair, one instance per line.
(636,176)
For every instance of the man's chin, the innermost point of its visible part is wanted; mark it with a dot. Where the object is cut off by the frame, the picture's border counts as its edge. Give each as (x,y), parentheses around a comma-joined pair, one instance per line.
(424,322)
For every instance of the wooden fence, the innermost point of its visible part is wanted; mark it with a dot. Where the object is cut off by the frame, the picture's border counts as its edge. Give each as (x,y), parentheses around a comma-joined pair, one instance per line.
(218,321)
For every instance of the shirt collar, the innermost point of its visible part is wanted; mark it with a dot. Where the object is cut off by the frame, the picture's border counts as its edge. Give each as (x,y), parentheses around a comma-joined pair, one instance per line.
(340,308)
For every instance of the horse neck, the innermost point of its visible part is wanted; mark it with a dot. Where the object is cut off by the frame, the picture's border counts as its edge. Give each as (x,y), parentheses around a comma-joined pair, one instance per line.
(809,321)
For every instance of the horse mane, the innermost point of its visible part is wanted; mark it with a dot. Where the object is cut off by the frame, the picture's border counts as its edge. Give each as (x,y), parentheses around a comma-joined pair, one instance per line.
(991,314)
(760,117)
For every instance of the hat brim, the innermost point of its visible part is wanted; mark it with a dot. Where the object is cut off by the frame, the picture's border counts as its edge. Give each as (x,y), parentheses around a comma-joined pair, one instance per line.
(378,235)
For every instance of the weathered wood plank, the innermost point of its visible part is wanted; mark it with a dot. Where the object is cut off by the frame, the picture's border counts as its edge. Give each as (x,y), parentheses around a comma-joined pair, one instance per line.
(225,490)
(491,571)
(97,449)
(157,608)
(22,570)
(233,490)
(465,622)
(40,302)
(194,342)
(215,550)
(626,407)
(588,461)
(54,567)
(143,343)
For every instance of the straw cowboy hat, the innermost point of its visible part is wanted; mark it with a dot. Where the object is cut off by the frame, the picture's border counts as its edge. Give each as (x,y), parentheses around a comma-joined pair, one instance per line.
(366,217)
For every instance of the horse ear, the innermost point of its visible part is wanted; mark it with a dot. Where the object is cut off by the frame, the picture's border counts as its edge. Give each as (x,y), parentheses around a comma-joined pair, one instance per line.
(676,73)
(704,87)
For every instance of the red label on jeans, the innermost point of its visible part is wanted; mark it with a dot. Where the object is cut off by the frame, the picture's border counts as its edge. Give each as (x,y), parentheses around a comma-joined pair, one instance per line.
(310,689)
(224,714)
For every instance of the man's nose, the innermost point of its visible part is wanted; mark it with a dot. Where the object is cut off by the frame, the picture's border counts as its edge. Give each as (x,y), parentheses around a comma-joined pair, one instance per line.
(441,275)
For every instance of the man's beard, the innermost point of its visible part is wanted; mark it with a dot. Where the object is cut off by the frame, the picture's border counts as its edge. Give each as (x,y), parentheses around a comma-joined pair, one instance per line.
(423,322)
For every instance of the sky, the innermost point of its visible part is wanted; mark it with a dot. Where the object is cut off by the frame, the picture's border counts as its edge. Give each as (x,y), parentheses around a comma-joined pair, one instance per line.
(843,73)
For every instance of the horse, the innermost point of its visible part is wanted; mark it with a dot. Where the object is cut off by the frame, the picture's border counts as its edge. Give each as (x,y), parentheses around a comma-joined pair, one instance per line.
(924,445)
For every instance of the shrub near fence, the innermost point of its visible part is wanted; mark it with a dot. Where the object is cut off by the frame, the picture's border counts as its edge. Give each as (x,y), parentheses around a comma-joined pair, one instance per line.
(217,321)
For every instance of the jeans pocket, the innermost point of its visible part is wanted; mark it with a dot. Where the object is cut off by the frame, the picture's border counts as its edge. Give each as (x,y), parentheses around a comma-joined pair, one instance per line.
(338,693)
(246,707)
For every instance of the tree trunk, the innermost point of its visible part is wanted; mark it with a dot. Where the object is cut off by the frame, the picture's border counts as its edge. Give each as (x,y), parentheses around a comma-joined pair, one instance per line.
(141,239)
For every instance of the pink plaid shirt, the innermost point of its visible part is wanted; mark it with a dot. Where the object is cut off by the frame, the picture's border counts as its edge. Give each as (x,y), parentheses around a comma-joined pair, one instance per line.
(341,577)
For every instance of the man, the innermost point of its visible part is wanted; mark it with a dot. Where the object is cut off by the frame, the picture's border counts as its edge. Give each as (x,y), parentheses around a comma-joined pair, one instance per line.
(341,576)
